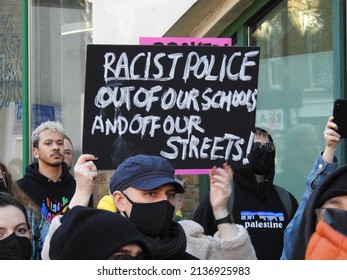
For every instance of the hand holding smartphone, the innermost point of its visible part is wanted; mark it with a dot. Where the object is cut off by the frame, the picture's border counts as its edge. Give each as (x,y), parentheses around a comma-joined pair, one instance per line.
(340,116)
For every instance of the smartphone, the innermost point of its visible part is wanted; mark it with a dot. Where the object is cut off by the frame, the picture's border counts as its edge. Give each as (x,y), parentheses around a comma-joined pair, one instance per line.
(340,116)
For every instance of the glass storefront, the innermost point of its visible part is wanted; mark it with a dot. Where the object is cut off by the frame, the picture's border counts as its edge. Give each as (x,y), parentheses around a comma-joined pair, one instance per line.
(296,80)
(11,86)
(60,33)
(295,83)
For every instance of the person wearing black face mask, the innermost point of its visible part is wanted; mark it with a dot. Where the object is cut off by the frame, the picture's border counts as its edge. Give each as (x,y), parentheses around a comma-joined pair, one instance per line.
(322,233)
(263,157)
(144,188)
(262,207)
(38,224)
(142,216)
(15,233)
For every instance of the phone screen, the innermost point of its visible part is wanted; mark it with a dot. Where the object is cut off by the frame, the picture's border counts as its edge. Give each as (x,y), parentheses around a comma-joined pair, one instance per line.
(340,116)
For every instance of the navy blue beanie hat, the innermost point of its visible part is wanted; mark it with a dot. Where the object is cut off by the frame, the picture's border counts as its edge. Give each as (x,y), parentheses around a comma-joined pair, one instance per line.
(144,172)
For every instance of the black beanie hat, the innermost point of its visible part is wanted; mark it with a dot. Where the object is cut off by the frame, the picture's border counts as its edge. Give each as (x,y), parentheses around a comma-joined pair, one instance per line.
(336,186)
(92,234)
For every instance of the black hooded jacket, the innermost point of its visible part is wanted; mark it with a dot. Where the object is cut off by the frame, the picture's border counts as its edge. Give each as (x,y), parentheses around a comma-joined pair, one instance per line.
(258,208)
(53,198)
(334,185)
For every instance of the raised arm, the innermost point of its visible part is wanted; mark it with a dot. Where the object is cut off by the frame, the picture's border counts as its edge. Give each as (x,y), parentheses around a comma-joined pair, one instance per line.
(221,187)
(332,139)
(85,173)
(324,165)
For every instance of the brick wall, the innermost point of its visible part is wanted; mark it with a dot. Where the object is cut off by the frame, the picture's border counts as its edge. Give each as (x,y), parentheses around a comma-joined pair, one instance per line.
(191,196)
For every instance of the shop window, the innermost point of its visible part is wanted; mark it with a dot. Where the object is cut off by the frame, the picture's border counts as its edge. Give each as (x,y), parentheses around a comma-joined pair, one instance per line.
(295,83)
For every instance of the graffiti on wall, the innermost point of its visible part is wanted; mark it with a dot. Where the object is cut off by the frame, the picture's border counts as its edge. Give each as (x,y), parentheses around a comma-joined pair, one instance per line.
(10,62)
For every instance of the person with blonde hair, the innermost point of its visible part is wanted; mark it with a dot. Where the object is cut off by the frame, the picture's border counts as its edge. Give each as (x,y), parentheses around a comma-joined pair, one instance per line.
(48,181)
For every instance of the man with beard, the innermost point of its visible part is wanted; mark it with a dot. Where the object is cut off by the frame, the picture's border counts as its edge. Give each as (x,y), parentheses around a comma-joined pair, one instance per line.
(261,207)
(48,181)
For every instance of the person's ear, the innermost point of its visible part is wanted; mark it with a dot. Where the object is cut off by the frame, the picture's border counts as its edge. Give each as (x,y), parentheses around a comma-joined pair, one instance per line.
(119,200)
(36,153)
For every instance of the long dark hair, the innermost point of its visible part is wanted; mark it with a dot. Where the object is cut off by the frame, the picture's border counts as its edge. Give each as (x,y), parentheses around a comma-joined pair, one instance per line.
(7,199)
(13,189)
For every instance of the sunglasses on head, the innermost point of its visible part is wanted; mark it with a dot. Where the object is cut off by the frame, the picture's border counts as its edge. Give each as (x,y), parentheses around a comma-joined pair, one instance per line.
(269,146)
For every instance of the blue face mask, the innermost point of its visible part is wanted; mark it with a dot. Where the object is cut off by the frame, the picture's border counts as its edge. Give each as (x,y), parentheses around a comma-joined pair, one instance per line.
(15,247)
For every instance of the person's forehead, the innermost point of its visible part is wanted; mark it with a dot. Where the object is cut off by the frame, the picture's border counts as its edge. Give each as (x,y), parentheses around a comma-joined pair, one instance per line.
(67,144)
(167,187)
(131,247)
(163,188)
(11,216)
(50,135)
(340,198)
(260,138)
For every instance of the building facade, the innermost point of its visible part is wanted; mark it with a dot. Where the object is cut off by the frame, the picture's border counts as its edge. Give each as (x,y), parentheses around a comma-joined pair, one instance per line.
(302,68)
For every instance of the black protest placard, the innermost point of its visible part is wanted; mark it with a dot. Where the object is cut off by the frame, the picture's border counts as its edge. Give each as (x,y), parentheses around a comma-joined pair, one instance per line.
(192,105)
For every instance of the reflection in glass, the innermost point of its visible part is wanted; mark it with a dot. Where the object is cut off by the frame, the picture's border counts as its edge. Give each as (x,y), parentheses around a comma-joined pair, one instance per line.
(295,83)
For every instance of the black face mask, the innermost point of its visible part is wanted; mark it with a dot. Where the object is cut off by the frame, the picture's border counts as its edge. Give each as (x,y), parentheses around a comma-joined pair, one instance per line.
(3,189)
(15,247)
(337,219)
(152,219)
(262,161)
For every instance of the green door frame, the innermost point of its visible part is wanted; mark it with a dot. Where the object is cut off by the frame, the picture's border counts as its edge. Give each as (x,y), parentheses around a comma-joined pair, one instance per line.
(25,82)
(339,60)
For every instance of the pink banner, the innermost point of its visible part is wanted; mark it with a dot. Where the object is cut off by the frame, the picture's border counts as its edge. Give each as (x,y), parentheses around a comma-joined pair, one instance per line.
(181,41)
